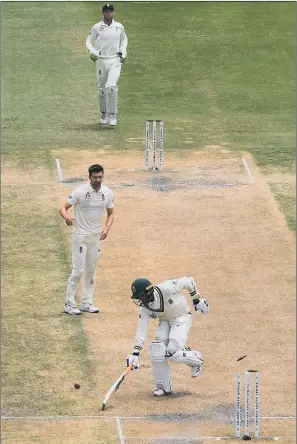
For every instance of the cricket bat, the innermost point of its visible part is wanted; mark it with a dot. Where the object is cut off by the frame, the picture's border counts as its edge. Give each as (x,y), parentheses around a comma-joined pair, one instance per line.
(115,386)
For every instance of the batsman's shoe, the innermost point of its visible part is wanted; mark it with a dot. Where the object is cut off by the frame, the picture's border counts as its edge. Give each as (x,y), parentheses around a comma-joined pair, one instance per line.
(160,392)
(103,119)
(89,309)
(196,370)
(71,310)
(112,119)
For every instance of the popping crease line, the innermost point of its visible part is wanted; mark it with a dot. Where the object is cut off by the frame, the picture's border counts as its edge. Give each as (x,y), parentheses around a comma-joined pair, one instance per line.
(123,186)
(59,169)
(120,430)
(66,417)
(217,438)
(61,417)
(251,177)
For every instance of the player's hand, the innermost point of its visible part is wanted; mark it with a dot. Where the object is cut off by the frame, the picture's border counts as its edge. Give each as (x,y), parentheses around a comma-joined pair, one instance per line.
(93,55)
(201,306)
(135,358)
(69,220)
(104,234)
(122,59)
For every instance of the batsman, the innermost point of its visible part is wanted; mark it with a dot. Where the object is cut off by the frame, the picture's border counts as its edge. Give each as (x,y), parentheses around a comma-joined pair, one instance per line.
(166,303)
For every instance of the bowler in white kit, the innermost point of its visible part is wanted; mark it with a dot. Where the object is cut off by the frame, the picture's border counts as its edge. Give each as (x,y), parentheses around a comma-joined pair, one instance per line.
(107,45)
(90,202)
(166,303)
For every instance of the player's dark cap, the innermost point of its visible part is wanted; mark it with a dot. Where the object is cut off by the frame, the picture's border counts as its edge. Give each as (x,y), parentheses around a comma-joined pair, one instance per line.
(108,7)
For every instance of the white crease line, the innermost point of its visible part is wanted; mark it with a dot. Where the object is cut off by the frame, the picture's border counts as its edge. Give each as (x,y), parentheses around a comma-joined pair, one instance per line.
(277,417)
(185,439)
(33,418)
(120,430)
(66,417)
(59,168)
(252,180)
(120,186)
(216,438)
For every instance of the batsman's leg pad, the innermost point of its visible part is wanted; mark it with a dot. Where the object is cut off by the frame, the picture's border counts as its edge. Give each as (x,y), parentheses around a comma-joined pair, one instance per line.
(188,357)
(112,99)
(161,370)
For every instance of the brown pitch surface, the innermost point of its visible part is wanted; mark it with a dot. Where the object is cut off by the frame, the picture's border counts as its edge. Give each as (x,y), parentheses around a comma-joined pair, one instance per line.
(235,242)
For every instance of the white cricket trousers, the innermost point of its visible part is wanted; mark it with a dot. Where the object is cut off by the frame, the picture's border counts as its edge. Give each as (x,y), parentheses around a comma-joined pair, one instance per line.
(174,334)
(108,73)
(85,255)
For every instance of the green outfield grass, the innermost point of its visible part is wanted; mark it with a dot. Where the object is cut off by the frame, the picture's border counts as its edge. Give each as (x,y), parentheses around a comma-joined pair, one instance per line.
(221,72)
(215,72)
(43,351)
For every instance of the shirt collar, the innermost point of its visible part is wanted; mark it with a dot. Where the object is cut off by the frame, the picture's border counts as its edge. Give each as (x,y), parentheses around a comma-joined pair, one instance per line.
(104,24)
(91,189)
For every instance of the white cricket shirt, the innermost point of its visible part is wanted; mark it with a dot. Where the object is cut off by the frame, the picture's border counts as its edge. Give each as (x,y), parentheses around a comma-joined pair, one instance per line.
(89,208)
(170,302)
(108,39)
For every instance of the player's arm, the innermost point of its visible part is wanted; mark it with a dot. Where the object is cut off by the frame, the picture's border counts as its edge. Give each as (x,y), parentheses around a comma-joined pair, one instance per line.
(110,215)
(72,200)
(93,52)
(140,338)
(110,218)
(109,222)
(188,283)
(123,44)
(63,212)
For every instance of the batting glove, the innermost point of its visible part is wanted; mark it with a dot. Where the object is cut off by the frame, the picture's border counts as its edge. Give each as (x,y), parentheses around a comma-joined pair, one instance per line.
(201,305)
(135,359)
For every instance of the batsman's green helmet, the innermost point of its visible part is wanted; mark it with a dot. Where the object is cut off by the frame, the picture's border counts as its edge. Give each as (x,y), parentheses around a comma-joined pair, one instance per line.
(142,289)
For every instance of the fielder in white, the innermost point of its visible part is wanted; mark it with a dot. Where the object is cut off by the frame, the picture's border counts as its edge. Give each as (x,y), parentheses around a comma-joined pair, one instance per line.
(107,45)
(90,202)
(166,302)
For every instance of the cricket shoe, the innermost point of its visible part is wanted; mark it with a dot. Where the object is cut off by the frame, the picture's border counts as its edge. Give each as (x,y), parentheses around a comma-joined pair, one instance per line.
(71,310)
(103,119)
(196,370)
(112,119)
(89,309)
(160,392)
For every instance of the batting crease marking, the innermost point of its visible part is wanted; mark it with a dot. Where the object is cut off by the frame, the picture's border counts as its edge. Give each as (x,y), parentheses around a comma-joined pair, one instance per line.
(61,417)
(33,418)
(252,180)
(217,438)
(120,430)
(59,169)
